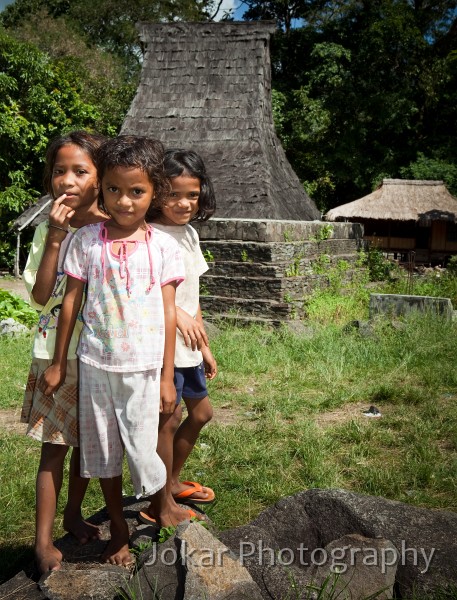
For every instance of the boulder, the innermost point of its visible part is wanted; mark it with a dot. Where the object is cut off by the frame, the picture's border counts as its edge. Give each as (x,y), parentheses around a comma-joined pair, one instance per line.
(299,528)
(104,582)
(212,571)
(355,567)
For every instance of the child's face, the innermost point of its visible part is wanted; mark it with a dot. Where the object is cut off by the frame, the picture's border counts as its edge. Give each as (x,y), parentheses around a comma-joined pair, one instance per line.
(182,202)
(75,175)
(127,195)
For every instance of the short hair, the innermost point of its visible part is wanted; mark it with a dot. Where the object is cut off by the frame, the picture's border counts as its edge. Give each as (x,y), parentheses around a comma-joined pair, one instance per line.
(134,152)
(177,162)
(88,142)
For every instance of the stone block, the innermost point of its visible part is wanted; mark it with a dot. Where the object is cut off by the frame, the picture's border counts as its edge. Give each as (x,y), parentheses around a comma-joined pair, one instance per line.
(402,305)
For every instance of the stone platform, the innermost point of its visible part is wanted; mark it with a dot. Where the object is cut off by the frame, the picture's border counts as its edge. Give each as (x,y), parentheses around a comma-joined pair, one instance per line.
(263,270)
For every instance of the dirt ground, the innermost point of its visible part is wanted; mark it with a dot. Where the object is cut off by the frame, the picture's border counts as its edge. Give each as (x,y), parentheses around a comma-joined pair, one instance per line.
(15,286)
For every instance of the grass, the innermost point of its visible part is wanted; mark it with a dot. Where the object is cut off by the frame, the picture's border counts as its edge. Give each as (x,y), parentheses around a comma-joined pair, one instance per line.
(278,387)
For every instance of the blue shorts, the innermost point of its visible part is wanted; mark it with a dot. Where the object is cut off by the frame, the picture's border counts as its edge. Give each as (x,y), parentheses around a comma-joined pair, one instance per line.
(190,383)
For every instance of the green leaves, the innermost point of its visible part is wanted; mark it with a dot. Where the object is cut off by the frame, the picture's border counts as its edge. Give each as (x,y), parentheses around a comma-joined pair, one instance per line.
(13,307)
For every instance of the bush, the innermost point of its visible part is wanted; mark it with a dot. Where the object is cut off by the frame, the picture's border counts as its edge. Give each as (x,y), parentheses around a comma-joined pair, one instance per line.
(13,307)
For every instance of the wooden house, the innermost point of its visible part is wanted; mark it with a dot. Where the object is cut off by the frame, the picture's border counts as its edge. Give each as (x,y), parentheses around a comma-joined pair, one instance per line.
(405,216)
(207,86)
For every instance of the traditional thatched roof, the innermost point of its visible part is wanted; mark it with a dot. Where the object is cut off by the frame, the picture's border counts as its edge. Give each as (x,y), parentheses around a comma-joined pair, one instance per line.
(401,200)
(34,214)
(207,86)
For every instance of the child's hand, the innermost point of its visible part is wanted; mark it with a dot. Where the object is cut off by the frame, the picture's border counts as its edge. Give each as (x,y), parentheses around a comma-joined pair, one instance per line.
(192,331)
(51,380)
(60,215)
(209,363)
(167,397)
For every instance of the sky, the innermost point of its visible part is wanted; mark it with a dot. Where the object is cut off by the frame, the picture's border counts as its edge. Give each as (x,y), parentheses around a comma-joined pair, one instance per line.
(234,5)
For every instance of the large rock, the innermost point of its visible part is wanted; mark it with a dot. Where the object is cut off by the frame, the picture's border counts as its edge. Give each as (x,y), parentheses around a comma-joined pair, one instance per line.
(212,571)
(355,567)
(301,526)
(21,587)
(103,582)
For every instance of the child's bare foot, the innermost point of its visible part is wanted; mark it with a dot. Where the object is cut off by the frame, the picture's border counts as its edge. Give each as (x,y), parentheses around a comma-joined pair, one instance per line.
(82,530)
(191,491)
(48,558)
(117,550)
(171,516)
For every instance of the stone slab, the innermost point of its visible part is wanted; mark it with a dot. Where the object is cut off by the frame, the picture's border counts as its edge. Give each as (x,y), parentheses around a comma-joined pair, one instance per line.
(270,230)
(402,305)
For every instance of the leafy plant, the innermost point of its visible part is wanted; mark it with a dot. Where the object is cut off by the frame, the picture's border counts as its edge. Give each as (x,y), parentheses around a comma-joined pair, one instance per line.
(14,307)
(379,267)
(204,291)
(141,547)
(165,533)
(245,256)
(293,270)
(323,233)
(208,255)
(287,235)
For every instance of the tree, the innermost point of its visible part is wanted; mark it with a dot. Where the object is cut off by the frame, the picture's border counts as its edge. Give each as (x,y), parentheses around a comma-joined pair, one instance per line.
(38,101)
(110,24)
(365,85)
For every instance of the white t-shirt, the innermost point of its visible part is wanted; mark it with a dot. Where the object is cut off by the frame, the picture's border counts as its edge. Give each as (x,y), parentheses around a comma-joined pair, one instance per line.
(123,317)
(188,293)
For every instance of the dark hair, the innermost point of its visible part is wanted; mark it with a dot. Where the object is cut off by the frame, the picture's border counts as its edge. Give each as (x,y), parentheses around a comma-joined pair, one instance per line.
(134,152)
(88,142)
(177,162)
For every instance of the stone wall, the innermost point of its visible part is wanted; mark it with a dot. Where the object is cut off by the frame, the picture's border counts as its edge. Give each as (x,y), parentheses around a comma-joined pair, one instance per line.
(262,269)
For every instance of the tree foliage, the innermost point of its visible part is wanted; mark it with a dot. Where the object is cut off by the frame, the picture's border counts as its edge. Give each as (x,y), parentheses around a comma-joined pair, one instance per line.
(363,89)
(66,65)
(366,85)
(110,24)
(39,99)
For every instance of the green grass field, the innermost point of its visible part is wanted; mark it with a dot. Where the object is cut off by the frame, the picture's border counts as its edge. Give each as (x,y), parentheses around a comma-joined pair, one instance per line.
(288,417)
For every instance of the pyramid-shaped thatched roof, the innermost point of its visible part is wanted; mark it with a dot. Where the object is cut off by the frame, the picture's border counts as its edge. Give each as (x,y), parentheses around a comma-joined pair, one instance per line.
(401,200)
(207,86)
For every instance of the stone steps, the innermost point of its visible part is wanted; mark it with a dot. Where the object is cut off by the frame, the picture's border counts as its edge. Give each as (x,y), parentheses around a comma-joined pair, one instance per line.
(273,252)
(263,270)
(247,307)
(299,266)
(273,288)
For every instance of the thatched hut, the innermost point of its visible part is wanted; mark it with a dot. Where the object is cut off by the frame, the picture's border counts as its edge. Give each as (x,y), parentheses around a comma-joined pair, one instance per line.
(406,215)
(207,86)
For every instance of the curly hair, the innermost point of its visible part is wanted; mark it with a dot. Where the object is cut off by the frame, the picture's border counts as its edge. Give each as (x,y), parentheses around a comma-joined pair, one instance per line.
(134,152)
(88,142)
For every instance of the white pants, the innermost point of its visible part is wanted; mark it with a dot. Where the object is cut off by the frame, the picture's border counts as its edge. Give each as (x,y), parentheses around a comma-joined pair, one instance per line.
(117,411)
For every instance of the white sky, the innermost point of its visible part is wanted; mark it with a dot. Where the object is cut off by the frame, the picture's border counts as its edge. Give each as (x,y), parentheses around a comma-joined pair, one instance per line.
(234,6)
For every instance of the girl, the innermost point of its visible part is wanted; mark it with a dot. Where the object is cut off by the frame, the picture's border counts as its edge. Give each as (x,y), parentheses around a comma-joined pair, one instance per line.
(71,178)
(191,198)
(127,344)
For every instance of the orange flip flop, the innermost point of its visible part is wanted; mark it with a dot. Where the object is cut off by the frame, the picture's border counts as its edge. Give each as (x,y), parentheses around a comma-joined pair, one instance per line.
(186,495)
(148,520)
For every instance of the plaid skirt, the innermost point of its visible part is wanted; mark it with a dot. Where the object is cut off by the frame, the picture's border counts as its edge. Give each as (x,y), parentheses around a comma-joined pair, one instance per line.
(52,419)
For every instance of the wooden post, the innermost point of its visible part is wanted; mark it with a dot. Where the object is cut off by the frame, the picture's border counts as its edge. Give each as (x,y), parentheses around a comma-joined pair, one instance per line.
(16,258)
